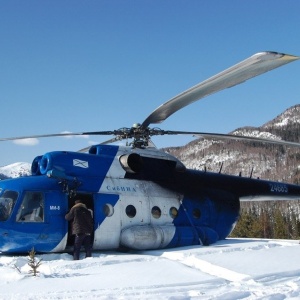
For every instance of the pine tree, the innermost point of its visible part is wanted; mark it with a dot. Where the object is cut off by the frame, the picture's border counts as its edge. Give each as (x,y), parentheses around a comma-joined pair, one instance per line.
(280,225)
(244,225)
(33,263)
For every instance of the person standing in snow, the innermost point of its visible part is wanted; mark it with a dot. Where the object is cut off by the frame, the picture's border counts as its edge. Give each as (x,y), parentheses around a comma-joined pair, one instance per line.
(82,228)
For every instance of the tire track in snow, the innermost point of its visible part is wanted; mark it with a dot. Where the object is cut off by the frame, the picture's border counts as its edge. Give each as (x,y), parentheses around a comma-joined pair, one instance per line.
(206,267)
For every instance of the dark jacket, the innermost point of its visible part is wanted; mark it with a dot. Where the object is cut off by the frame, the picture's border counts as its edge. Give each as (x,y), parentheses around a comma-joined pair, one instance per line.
(81,217)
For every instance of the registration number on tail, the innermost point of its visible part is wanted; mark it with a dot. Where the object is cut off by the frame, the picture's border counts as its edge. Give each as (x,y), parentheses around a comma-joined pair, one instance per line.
(278,188)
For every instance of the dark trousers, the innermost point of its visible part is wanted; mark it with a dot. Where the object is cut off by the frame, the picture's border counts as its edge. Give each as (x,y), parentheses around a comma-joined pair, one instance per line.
(85,241)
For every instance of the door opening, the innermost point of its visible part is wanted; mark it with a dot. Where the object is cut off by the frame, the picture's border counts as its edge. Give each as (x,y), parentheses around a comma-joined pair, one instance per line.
(87,199)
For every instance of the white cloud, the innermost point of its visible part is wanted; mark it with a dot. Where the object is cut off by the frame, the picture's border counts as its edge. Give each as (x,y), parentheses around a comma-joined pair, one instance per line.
(27,142)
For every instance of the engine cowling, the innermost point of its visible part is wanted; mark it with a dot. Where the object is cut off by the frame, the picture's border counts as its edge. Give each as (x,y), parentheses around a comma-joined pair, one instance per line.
(132,163)
(35,166)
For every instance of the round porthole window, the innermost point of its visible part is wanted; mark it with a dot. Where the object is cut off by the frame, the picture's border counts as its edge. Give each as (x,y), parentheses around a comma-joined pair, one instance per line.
(156,212)
(173,212)
(196,213)
(130,211)
(108,210)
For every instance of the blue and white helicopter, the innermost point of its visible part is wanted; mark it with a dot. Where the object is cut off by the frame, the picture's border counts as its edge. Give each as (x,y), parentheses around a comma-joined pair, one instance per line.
(141,198)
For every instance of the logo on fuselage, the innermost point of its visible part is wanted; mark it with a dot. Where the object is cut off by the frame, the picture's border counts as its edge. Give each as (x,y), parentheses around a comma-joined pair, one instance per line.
(80,163)
(121,188)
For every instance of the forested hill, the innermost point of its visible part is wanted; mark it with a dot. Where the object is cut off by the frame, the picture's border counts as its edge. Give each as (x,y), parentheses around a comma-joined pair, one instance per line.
(271,162)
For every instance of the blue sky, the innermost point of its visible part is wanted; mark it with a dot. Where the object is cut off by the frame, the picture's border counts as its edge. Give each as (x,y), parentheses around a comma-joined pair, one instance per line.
(102,65)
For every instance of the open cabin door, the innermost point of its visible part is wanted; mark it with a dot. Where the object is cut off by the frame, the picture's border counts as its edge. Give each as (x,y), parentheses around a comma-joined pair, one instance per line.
(88,200)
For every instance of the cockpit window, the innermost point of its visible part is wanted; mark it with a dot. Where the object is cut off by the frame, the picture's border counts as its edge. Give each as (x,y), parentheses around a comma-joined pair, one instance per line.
(32,208)
(7,203)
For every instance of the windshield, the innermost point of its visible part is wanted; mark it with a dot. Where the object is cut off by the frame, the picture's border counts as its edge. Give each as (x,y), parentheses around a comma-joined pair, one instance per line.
(7,203)
(32,208)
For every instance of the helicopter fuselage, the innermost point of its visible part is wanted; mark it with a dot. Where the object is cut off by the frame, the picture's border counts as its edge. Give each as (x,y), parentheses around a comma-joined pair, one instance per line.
(141,199)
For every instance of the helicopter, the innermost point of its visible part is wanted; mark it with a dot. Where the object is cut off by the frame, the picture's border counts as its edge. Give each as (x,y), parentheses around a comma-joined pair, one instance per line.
(141,197)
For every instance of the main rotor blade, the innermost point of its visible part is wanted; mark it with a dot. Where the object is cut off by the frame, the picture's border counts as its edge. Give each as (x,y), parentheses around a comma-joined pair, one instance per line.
(220,136)
(65,134)
(253,66)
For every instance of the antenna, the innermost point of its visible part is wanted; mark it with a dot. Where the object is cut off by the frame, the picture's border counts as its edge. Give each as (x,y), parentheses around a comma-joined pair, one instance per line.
(221,168)
(251,172)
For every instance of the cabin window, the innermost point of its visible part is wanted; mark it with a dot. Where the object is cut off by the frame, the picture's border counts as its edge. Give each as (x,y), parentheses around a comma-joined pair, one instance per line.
(173,212)
(156,212)
(7,203)
(108,210)
(32,208)
(196,213)
(130,211)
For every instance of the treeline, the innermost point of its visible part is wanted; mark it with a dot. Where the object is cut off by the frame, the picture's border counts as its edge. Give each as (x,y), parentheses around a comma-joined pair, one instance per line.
(268,219)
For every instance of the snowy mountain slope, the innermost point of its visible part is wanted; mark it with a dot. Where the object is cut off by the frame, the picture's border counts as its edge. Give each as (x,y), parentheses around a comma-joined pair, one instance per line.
(15,170)
(289,116)
(249,158)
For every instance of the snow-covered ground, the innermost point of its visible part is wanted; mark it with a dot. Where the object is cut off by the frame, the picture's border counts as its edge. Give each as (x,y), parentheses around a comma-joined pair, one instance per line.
(231,269)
